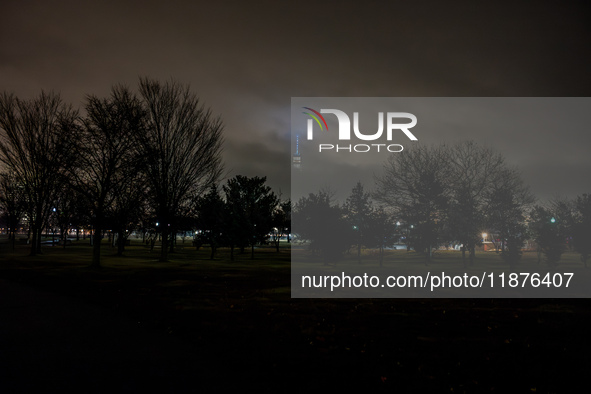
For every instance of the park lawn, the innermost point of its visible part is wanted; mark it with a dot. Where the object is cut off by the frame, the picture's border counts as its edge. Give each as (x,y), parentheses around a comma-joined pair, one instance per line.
(244,329)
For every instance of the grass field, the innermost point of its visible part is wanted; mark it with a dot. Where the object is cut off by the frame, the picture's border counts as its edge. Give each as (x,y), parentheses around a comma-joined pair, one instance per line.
(221,324)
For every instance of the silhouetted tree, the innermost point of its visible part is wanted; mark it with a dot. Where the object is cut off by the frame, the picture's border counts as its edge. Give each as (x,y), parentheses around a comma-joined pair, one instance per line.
(473,171)
(564,209)
(322,223)
(580,223)
(581,231)
(358,210)
(211,219)
(415,187)
(66,206)
(281,222)
(381,231)
(36,145)
(507,203)
(12,204)
(182,150)
(127,206)
(250,205)
(107,154)
(549,232)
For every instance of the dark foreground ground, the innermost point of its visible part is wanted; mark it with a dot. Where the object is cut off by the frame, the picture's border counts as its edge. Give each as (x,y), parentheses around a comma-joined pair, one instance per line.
(193,325)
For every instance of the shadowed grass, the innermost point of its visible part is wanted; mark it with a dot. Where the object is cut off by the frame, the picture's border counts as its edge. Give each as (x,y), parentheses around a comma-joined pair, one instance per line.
(246,331)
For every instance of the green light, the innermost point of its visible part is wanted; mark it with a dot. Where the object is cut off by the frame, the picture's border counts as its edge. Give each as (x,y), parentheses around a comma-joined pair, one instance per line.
(553,220)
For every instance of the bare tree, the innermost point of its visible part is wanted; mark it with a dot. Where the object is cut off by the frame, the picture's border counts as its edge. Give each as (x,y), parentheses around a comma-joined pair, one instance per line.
(281,222)
(128,201)
(36,138)
(12,204)
(359,211)
(581,229)
(474,170)
(64,212)
(182,149)
(107,154)
(549,229)
(382,231)
(415,187)
(506,204)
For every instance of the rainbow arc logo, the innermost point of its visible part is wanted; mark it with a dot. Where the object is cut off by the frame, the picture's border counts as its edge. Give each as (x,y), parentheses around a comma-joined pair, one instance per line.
(315,116)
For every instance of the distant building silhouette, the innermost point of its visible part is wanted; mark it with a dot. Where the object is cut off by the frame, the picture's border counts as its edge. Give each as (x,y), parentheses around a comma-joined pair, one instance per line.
(297,158)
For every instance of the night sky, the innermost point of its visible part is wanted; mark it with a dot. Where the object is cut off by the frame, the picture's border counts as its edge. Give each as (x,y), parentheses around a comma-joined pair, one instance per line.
(246,60)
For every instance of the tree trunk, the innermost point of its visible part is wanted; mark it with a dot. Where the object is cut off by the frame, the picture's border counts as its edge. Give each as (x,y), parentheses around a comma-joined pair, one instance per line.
(33,240)
(164,249)
(120,242)
(38,244)
(96,247)
(13,238)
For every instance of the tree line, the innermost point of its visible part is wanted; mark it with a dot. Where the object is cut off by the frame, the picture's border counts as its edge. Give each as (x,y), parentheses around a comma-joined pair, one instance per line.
(149,160)
(431,196)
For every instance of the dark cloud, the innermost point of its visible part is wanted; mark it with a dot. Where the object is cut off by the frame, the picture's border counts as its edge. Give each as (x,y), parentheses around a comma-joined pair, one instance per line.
(270,158)
(246,60)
